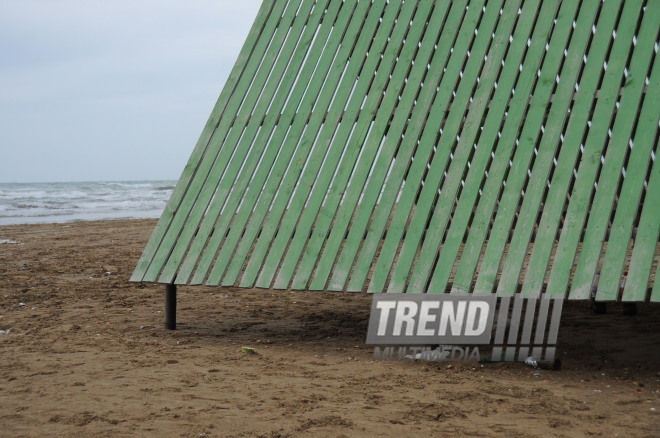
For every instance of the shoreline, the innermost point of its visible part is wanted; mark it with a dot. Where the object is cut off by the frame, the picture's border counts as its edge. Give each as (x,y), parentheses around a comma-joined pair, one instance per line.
(85,353)
(80,221)
(37,221)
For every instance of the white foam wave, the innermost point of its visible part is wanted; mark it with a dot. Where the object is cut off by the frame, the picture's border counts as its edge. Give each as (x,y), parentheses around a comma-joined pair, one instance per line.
(63,202)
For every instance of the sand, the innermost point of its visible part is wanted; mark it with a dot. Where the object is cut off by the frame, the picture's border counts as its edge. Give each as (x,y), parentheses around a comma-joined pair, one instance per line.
(83,352)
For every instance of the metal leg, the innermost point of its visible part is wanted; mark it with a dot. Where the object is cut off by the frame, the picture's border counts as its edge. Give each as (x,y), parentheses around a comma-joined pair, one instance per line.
(170,306)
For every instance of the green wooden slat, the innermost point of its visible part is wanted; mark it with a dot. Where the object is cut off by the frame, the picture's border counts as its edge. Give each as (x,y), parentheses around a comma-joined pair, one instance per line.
(375,176)
(569,149)
(496,246)
(454,179)
(245,56)
(411,243)
(515,181)
(426,143)
(496,111)
(610,174)
(231,182)
(365,30)
(486,205)
(219,180)
(227,256)
(646,241)
(311,179)
(321,207)
(575,216)
(416,123)
(547,146)
(353,18)
(222,174)
(390,107)
(329,125)
(321,45)
(241,98)
(631,192)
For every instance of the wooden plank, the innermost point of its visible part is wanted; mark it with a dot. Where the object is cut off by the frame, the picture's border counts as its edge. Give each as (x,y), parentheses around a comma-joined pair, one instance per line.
(488,139)
(427,142)
(245,57)
(476,170)
(317,137)
(570,146)
(587,170)
(359,34)
(230,191)
(373,161)
(517,176)
(257,100)
(222,176)
(414,236)
(242,98)
(236,263)
(329,189)
(413,126)
(648,231)
(314,182)
(611,171)
(294,140)
(548,143)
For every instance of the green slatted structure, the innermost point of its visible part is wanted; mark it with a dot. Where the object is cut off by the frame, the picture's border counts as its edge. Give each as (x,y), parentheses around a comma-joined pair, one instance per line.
(465,146)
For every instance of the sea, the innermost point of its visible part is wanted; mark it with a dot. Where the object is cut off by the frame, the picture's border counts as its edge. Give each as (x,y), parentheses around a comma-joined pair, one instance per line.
(32,203)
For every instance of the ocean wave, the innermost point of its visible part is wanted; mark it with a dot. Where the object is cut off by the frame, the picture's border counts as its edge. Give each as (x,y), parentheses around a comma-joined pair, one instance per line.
(63,202)
(45,206)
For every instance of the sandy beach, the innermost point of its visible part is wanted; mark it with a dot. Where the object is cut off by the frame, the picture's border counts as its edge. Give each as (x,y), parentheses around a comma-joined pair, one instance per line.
(83,353)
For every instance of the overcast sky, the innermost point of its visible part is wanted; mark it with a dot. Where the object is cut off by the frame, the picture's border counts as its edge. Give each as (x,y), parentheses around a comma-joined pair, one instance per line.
(94,90)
